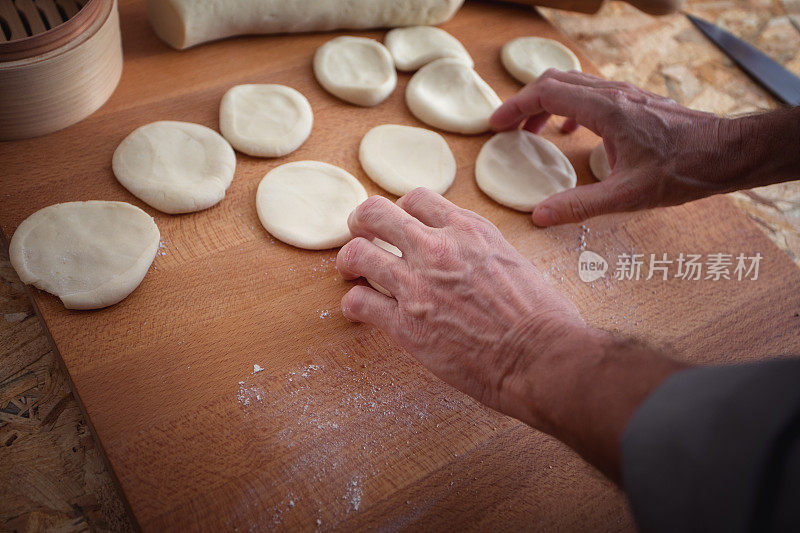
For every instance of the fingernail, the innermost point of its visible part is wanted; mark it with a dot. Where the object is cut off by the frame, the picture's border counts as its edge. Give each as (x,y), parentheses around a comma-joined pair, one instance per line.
(544,216)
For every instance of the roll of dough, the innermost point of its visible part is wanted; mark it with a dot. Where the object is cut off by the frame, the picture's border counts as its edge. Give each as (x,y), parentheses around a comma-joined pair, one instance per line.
(185,23)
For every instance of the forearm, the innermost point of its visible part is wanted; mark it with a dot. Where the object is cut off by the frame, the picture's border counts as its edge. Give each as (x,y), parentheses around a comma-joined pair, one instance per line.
(584,388)
(763,149)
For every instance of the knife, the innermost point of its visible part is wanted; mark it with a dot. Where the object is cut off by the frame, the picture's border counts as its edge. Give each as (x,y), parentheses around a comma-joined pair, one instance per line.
(784,85)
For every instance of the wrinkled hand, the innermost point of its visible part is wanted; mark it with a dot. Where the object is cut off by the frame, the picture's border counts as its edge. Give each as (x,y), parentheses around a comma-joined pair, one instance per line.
(470,307)
(661,153)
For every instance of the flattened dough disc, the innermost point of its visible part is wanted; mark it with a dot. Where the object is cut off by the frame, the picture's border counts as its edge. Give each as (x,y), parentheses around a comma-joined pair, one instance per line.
(416,46)
(391,248)
(265,120)
(306,204)
(598,162)
(402,158)
(176,167)
(526,58)
(89,254)
(449,95)
(356,69)
(519,169)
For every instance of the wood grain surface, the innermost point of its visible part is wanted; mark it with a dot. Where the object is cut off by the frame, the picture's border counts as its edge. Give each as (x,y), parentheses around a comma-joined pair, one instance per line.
(341,428)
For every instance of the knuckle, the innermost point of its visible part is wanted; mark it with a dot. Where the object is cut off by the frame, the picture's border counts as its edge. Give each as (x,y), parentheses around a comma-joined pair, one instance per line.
(412,198)
(580,209)
(617,95)
(371,209)
(351,252)
(438,252)
(471,224)
(353,302)
(549,73)
(547,83)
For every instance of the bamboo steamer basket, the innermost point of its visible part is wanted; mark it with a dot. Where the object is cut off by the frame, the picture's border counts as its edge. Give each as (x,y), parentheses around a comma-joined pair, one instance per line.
(60,60)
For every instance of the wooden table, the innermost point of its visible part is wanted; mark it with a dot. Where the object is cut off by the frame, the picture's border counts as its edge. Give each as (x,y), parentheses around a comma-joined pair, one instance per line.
(340,426)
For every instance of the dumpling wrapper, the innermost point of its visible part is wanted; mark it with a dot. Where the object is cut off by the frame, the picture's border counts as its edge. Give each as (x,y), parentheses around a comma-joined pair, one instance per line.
(89,254)
(356,69)
(307,203)
(391,248)
(526,58)
(416,46)
(598,162)
(519,169)
(402,158)
(265,120)
(176,167)
(449,95)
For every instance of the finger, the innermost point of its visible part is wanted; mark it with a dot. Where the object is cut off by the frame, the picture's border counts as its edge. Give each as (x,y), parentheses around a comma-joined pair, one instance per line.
(584,104)
(632,92)
(535,124)
(577,77)
(428,207)
(579,203)
(364,304)
(570,126)
(362,258)
(380,217)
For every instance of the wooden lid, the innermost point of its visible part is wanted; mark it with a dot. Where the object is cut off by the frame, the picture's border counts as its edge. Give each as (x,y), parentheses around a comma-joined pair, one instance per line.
(55,37)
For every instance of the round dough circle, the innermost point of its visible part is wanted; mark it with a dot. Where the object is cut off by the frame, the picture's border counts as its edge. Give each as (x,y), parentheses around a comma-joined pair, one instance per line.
(402,158)
(265,120)
(391,248)
(526,58)
(356,69)
(519,169)
(449,95)
(415,46)
(89,254)
(598,162)
(176,167)
(306,204)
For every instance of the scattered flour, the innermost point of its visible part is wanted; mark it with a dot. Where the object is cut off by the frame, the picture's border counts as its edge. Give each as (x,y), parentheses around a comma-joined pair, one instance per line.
(324,411)
(353,494)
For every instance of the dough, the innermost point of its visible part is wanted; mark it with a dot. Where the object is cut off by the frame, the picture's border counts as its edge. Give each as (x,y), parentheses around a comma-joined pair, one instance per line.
(265,120)
(598,162)
(306,204)
(389,248)
(402,158)
(449,95)
(356,69)
(185,23)
(89,254)
(526,58)
(416,46)
(176,167)
(519,169)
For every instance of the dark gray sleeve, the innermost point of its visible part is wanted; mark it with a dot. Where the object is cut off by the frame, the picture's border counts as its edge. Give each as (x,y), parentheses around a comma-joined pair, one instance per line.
(717,449)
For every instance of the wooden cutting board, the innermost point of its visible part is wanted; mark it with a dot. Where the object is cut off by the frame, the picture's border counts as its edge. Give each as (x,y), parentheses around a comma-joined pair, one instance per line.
(341,429)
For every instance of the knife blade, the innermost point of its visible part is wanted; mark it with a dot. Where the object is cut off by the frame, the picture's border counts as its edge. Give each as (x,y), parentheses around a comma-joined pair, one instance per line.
(784,85)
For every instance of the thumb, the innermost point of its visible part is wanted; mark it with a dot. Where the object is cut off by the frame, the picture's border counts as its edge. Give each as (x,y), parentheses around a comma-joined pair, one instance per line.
(579,203)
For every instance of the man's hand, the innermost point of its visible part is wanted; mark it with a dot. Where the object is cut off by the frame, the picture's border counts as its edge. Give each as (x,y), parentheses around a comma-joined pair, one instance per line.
(481,317)
(466,303)
(661,153)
